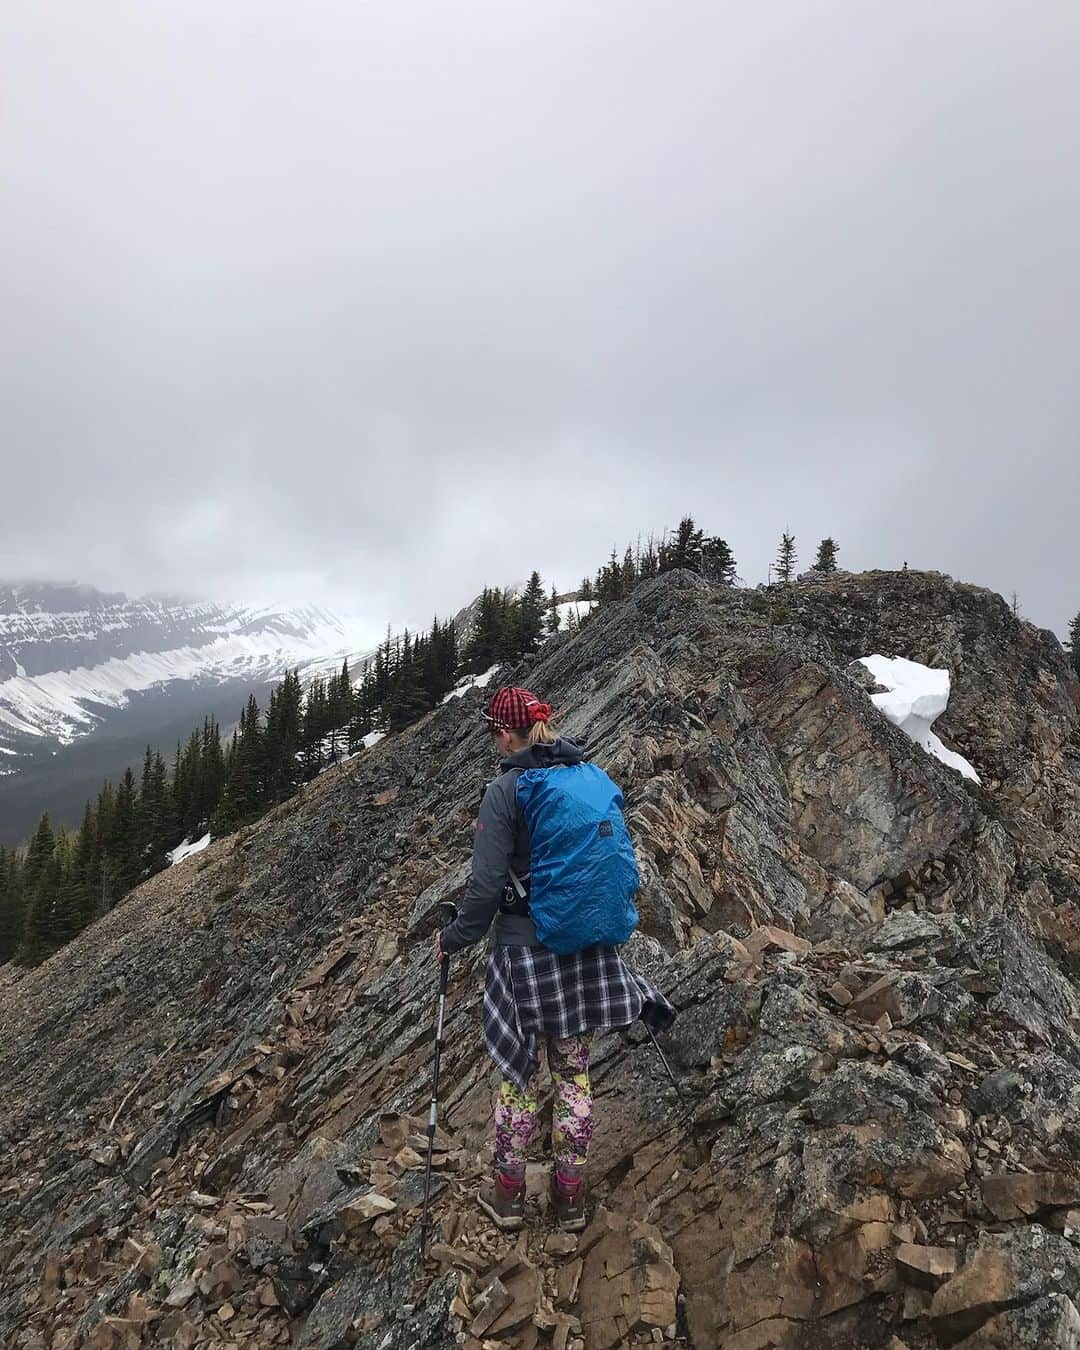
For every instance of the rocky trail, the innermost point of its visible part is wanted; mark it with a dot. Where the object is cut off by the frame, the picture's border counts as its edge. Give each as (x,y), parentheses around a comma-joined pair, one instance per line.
(210,1123)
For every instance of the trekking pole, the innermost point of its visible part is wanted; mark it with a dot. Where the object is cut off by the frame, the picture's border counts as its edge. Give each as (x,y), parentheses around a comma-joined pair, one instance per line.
(444,979)
(663,1061)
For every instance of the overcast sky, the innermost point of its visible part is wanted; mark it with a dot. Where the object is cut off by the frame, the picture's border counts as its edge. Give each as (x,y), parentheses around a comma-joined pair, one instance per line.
(370,304)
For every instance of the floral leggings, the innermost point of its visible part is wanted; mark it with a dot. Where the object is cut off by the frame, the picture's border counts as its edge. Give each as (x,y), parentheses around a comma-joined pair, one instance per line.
(571,1120)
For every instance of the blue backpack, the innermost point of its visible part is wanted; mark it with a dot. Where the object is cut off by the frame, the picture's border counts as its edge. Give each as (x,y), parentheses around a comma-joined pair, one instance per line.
(583,873)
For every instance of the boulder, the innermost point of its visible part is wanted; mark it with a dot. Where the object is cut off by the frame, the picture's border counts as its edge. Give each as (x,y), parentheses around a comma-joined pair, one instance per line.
(1019,1266)
(927,1267)
(1050,1323)
(1018,1195)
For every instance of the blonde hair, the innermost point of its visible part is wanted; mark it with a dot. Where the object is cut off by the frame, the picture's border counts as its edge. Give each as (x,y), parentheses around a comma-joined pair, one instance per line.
(541,734)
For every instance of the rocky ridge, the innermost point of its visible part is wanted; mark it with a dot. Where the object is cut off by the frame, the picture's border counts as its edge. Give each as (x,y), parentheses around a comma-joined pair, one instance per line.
(210,1120)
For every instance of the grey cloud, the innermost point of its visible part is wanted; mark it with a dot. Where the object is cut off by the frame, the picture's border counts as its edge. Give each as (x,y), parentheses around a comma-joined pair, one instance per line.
(318,301)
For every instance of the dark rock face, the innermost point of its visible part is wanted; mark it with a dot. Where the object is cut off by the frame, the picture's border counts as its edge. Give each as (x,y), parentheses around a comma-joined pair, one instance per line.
(210,1123)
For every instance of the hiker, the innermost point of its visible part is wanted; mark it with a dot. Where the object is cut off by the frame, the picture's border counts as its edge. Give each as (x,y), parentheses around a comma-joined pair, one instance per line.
(553,992)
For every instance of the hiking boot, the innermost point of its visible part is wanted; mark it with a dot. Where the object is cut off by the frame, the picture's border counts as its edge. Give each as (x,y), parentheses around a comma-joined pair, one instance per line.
(503,1202)
(568,1204)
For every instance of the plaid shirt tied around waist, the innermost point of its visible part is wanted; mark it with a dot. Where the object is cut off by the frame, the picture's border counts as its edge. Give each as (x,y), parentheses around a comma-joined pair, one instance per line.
(530,992)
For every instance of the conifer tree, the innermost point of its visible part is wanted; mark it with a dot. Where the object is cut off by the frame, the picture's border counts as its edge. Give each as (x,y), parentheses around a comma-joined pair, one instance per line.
(551,622)
(511,637)
(142,804)
(152,814)
(649,564)
(316,719)
(629,573)
(685,549)
(103,820)
(363,719)
(181,789)
(439,661)
(826,556)
(189,794)
(96,888)
(284,731)
(41,931)
(12,909)
(451,653)
(786,559)
(362,722)
(74,906)
(247,776)
(481,651)
(609,583)
(54,913)
(122,848)
(530,620)
(84,879)
(585,590)
(226,817)
(407,699)
(718,561)
(428,658)
(1074,644)
(338,709)
(209,776)
(38,853)
(381,670)
(158,817)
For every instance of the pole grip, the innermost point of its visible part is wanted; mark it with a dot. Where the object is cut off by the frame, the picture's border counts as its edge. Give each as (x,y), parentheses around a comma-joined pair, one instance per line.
(444,975)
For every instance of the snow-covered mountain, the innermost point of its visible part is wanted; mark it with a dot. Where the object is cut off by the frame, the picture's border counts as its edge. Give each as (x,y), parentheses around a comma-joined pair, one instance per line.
(88,678)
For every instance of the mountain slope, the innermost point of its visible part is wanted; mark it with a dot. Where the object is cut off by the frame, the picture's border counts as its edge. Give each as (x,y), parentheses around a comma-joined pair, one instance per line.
(877,1039)
(87,679)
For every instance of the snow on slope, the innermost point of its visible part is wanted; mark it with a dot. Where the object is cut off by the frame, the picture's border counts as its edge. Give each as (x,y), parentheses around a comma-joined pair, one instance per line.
(186,849)
(64,698)
(54,704)
(469,682)
(915,696)
(579,608)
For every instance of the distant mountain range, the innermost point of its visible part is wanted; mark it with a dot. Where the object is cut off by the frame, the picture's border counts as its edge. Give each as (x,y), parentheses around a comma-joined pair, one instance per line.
(87,679)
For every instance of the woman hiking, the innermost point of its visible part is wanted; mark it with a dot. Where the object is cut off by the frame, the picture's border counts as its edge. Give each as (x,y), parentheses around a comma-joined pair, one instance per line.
(552,993)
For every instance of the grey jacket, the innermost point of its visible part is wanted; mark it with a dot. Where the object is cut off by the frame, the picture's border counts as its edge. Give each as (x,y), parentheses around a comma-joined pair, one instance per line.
(502,843)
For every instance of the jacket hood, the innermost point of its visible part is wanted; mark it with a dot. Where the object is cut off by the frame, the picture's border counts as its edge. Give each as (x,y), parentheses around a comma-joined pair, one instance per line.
(563,751)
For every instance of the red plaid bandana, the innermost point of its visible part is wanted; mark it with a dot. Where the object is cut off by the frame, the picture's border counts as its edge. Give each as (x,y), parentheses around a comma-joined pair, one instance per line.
(516,709)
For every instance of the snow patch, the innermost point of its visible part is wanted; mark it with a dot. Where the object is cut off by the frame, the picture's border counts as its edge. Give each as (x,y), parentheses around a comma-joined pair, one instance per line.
(579,608)
(470,682)
(915,697)
(186,849)
(373,738)
(55,703)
